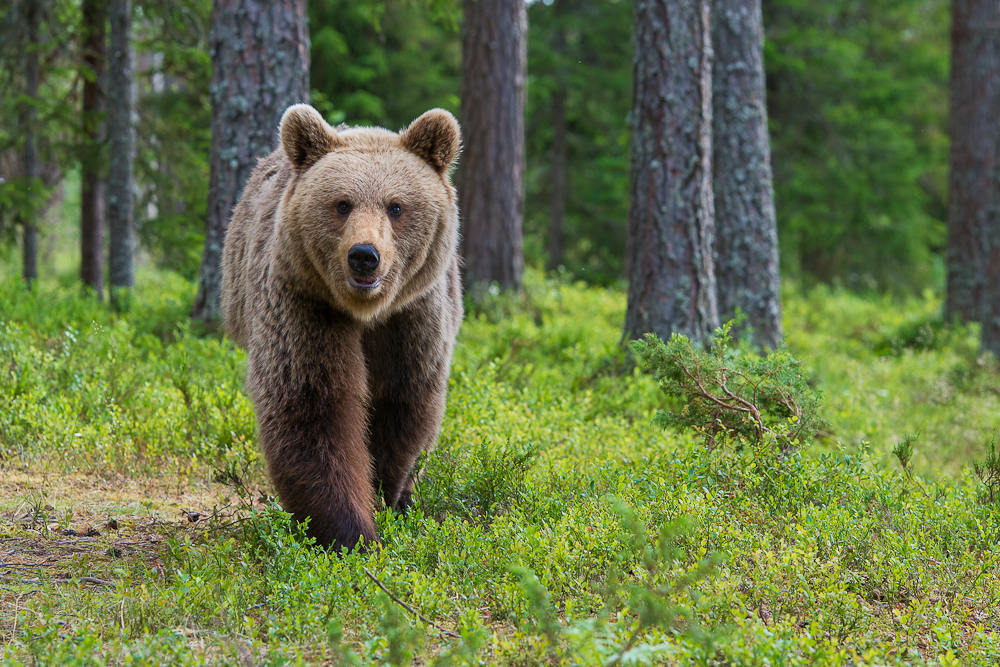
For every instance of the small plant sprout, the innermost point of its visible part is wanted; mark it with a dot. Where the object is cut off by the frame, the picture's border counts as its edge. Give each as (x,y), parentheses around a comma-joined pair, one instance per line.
(904,451)
(988,472)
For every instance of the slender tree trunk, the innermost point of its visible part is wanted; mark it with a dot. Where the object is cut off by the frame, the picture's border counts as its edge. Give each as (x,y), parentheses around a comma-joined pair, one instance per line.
(120,188)
(558,175)
(491,179)
(746,268)
(92,186)
(975,115)
(32,12)
(260,67)
(671,215)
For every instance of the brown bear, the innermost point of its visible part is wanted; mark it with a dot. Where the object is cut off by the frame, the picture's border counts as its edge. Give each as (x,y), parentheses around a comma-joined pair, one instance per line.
(340,276)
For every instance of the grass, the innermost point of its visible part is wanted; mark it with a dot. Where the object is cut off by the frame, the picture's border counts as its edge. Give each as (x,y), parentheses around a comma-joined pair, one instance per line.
(556,523)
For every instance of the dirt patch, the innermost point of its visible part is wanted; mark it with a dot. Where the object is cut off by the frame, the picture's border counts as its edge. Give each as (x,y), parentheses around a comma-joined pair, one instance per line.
(88,529)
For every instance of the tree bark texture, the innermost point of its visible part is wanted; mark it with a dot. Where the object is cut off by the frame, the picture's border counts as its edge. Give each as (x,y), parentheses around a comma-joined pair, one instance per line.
(975,115)
(491,178)
(260,67)
(671,214)
(92,185)
(746,260)
(120,188)
(32,11)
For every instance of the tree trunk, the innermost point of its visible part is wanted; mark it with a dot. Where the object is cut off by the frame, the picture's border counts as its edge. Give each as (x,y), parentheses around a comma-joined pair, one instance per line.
(32,17)
(558,175)
(260,67)
(746,267)
(671,213)
(120,188)
(491,178)
(92,186)
(975,81)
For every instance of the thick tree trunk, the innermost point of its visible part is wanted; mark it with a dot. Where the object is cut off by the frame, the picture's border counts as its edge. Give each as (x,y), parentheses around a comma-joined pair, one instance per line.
(975,115)
(491,178)
(558,176)
(92,186)
(120,189)
(746,262)
(671,214)
(260,67)
(32,18)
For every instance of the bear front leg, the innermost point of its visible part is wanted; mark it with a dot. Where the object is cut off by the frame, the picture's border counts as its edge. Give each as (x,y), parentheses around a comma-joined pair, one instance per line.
(408,363)
(308,384)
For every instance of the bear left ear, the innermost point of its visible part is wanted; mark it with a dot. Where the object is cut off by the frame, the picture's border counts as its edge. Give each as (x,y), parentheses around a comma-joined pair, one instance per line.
(435,137)
(305,136)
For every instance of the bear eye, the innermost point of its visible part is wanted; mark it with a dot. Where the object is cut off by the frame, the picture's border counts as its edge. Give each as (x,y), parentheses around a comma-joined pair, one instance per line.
(395,210)
(343,208)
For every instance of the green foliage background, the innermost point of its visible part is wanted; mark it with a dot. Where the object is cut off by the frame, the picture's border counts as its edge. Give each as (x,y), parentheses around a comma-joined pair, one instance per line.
(857,97)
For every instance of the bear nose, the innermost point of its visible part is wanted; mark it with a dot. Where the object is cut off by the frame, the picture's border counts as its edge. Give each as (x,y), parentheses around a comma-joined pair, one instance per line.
(363,259)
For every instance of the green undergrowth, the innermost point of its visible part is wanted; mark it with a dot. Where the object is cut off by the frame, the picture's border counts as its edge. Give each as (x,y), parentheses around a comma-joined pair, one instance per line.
(556,523)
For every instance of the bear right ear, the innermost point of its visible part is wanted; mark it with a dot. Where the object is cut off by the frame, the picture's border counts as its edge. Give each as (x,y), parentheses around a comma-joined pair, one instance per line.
(435,137)
(305,136)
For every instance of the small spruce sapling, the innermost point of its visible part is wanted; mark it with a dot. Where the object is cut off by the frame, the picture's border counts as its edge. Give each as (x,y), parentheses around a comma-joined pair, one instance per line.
(730,394)
(540,607)
(988,472)
(904,452)
(652,598)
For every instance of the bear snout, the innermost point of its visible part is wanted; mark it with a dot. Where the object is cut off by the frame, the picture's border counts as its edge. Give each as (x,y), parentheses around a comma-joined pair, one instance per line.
(363,259)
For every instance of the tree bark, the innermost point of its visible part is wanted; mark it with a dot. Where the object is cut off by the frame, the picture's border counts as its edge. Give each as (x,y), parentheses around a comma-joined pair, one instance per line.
(32,10)
(975,115)
(92,186)
(120,188)
(746,267)
(671,214)
(491,178)
(260,67)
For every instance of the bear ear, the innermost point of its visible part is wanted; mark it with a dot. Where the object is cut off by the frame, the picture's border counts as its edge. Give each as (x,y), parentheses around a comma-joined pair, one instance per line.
(435,137)
(305,136)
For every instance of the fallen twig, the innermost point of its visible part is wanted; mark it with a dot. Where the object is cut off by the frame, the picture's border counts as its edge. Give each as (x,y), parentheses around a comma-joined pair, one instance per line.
(408,607)
(82,580)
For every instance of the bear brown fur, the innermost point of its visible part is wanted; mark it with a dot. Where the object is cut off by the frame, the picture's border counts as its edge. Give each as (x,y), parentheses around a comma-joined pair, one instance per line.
(347,364)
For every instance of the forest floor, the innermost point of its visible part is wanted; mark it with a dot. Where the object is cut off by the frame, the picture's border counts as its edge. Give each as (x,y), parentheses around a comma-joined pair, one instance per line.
(555,523)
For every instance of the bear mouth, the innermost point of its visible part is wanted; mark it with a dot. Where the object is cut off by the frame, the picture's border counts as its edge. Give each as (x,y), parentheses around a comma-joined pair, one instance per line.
(364,284)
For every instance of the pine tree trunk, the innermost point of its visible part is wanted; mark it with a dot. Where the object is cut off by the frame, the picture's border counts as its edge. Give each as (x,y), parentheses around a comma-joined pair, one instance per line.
(975,115)
(92,186)
(491,177)
(746,262)
(671,214)
(558,176)
(29,270)
(120,188)
(260,67)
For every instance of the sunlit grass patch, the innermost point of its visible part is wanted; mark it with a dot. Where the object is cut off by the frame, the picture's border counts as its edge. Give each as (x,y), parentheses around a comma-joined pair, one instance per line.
(555,523)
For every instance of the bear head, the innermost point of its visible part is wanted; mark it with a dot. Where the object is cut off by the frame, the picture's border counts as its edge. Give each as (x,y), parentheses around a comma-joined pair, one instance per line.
(370,214)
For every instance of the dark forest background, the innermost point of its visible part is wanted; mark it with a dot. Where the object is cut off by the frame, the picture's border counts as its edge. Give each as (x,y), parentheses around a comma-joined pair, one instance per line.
(857,96)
